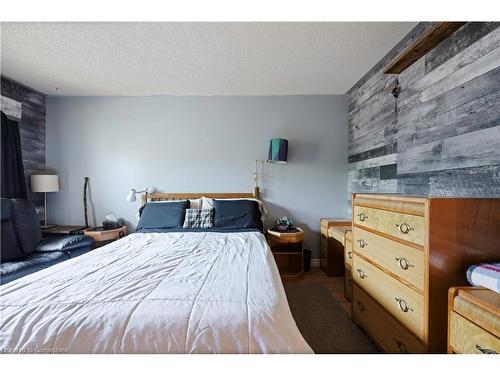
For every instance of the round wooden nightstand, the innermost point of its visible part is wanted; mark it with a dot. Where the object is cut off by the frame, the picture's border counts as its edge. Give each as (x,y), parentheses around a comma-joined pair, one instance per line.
(103,237)
(288,253)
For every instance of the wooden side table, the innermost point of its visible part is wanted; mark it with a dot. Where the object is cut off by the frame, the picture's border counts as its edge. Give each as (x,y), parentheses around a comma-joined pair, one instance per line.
(63,230)
(288,253)
(103,237)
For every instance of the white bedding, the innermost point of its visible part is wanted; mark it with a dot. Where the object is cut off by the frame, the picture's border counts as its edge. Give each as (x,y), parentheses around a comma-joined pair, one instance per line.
(155,293)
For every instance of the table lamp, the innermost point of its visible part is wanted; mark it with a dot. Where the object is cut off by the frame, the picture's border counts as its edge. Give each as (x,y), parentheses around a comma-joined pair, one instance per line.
(44,183)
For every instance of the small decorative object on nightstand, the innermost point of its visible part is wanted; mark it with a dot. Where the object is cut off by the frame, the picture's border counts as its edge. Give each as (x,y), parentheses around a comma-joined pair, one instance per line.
(283,223)
(473,321)
(103,237)
(288,253)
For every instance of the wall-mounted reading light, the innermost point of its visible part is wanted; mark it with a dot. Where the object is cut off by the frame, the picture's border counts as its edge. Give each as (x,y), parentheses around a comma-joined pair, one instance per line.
(278,153)
(131,196)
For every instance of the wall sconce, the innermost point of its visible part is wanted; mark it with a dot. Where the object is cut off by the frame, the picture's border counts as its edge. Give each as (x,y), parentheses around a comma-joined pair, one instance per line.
(278,153)
(131,196)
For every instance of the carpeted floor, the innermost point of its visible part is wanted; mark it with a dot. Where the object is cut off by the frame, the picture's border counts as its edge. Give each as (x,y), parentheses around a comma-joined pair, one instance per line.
(323,323)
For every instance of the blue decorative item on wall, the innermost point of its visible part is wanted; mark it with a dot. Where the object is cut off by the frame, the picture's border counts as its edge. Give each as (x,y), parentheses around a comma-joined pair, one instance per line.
(278,150)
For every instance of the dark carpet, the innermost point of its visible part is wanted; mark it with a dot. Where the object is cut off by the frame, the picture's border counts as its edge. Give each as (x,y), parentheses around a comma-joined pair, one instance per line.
(323,323)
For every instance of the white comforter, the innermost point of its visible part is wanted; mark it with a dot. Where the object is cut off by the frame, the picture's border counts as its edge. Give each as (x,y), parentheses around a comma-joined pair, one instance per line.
(155,293)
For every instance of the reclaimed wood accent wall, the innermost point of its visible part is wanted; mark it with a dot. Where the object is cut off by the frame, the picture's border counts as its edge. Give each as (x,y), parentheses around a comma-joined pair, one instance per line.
(27,106)
(441,135)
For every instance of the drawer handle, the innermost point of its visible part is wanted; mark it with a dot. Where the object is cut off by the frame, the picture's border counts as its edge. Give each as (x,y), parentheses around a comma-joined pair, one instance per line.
(484,350)
(361,273)
(362,217)
(362,243)
(349,253)
(402,347)
(405,228)
(361,306)
(403,305)
(404,263)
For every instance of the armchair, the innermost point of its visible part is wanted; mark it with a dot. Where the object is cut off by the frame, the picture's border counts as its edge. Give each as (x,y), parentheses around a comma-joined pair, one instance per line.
(23,251)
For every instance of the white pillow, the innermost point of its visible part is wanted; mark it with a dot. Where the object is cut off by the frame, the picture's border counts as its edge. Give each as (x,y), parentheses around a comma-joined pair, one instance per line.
(195,203)
(208,203)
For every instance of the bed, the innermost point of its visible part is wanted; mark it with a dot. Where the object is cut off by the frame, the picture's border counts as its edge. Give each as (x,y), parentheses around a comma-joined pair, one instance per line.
(155,292)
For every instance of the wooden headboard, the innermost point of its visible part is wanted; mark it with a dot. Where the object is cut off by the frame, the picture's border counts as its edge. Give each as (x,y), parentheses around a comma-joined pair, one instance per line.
(160,196)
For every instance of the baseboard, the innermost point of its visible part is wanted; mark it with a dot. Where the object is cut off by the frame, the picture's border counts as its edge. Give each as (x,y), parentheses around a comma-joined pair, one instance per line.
(315,262)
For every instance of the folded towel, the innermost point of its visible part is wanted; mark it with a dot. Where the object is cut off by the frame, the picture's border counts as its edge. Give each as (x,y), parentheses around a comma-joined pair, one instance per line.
(486,275)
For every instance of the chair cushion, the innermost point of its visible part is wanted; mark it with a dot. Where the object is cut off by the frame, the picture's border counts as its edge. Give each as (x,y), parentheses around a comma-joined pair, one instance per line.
(9,247)
(26,225)
(10,271)
(66,243)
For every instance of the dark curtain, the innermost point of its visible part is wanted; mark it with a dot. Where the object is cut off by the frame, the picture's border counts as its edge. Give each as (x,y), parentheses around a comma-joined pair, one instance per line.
(13,182)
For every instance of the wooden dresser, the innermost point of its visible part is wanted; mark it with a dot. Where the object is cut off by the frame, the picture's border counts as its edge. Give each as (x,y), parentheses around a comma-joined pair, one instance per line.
(331,248)
(348,265)
(407,253)
(473,321)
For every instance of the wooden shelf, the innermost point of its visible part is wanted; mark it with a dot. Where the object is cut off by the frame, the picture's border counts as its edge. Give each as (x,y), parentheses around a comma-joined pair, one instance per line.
(426,42)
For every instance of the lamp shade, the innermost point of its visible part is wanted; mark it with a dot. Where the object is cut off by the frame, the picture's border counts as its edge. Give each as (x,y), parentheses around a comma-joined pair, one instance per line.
(44,183)
(278,150)
(131,196)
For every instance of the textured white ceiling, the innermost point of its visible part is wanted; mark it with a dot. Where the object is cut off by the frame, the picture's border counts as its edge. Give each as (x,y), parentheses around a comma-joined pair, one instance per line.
(194,58)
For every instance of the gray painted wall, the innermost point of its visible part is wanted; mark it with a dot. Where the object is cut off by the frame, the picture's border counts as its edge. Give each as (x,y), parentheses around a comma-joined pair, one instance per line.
(441,135)
(198,144)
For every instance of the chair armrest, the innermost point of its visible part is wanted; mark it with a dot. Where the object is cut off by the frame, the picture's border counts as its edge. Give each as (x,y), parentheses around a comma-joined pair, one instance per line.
(66,243)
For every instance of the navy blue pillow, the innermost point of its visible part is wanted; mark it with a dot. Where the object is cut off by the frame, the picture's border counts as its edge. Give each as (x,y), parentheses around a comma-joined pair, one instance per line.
(237,214)
(163,215)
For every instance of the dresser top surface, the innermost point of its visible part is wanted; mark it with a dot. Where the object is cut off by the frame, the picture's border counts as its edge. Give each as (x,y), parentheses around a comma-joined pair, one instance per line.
(396,196)
(335,220)
(482,297)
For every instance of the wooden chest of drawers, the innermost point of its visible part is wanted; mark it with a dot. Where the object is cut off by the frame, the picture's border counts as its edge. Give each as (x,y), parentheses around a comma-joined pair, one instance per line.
(473,321)
(348,265)
(331,247)
(407,252)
